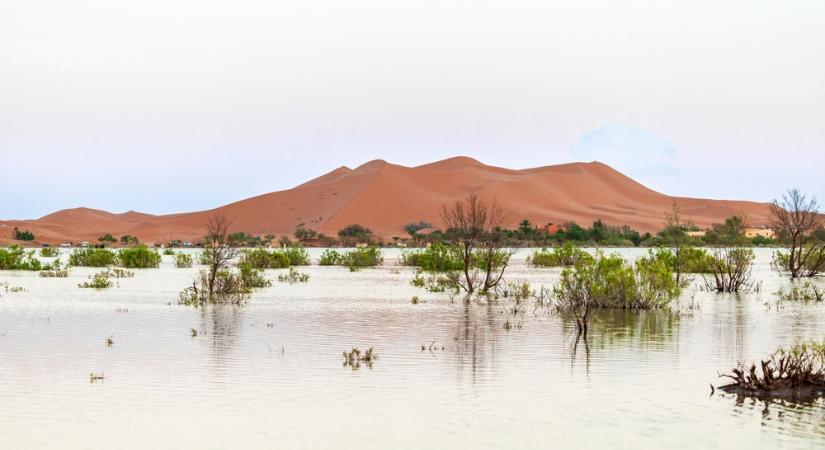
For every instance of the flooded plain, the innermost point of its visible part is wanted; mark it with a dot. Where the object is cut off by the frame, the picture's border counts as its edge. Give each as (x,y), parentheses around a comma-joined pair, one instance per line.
(270,374)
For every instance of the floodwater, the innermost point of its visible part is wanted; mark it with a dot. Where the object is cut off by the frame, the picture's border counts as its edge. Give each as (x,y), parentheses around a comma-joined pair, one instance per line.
(270,375)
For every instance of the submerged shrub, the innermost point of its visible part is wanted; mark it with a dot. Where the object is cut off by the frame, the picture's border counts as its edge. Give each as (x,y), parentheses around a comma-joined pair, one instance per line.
(361,257)
(329,258)
(293,276)
(15,258)
(49,252)
(140,257)
(437,258)
(730,269)
(808,292)
(810,261)
(92,257)
(54,270)
(168,252)
(261,258)
(228,287)
(566,255)
(183,261)
(801,367)
(252,277)
(99,280)
(612,282)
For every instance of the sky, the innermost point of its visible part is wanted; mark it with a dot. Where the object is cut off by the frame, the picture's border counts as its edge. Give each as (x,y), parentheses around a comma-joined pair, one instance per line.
(171,106)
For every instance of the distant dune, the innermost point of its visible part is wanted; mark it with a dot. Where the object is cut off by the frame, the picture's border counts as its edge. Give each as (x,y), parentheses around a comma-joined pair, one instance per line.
(384,197)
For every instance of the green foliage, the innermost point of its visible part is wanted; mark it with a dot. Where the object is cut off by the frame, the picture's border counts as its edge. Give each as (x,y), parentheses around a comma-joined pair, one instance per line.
(808,292)
(305,234)
(361,257)
(107,239)
(168,252)
(15,258)
(242,239)
(565,255)
(127,240)
(437,258)
(54,270)
(730,268)
(92,257)
(330,258)
(276,259)
(811,257)
(23,235)
(413,228)
(293,277)
(252,277)
(49,252)
(140,257)
(183,261)
(688,259)
(100,280)
(355,233)
(229,288)
(611,282)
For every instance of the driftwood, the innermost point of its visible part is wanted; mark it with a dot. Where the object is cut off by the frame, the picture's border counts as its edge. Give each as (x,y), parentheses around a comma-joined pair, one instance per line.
(795,373)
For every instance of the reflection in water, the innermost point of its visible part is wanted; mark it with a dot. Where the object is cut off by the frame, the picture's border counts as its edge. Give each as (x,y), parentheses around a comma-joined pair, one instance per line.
(222,324)
(801,417)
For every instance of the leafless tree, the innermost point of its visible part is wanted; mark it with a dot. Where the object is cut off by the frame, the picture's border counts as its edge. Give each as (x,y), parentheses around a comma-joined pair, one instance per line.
(795,218)
(217,250)
(476,227)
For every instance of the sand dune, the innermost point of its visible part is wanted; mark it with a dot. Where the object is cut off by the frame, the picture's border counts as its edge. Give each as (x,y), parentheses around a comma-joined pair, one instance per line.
(384,197)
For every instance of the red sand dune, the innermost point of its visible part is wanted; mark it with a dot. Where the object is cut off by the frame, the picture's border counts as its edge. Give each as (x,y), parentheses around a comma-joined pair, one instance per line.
(384,197)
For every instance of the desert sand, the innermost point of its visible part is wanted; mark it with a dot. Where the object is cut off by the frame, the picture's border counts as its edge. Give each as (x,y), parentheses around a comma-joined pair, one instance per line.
(385,197)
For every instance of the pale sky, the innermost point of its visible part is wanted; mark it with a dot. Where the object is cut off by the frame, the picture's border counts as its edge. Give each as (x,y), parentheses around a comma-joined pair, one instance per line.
(171,106)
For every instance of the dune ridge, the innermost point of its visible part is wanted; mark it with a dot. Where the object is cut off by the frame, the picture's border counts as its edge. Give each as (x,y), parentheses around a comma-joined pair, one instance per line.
(385,197)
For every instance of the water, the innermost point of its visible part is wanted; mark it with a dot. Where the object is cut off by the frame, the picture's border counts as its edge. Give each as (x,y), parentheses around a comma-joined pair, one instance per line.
(270,374)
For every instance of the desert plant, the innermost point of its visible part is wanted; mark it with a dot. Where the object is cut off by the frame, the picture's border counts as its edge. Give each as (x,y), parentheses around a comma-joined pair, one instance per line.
(15,258)
(54,270)
(140,257)
(797,222)
(798,368)
(437,258)
(168,252)
(183,261)
(252,277)
(49,252)
(808,292)
(23,235)
(107,239)
(565,255)
(329,258)
(611,282)
(730,269)
(355,233)
(127,240)
(92,257)
(98,281)
(361,257)
(293,276)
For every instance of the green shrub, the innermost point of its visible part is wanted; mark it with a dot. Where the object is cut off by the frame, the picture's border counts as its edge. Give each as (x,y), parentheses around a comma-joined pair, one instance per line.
(183,261)
(54,270)
(15,258)
(437,258)
(261,258)
(140,257)
(23,235)
(361,257)
(566,255)
(252,277)
(100,280)
(611,282)
(49,252)
(229,288)
(293,277)
(92,257)
(297,256)
(168,252)
(330,258)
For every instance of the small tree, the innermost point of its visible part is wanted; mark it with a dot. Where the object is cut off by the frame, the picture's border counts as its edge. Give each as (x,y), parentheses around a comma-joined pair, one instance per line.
(796,220)
(355,233)
(476,230)
(305,234)
(107,239)
(23,235)
(217,249)
(128,240)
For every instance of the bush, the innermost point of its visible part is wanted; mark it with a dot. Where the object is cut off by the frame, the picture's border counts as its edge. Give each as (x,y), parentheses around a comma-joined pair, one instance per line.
(54,270)
(229,287)
(437,258)
(293,277)
(107,239)
(330,258)
(731,269)
(168,252)
(15,258)
(92,257)
(252,277)
(100,280)
(261,258)
(49,252)
(140,257)
(361,257)
(611,282)
(566,255)
(183,261)
(23,235)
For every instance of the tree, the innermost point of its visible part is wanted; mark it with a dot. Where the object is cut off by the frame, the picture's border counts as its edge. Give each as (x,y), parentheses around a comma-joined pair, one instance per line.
(107,239)
(476,229)
(413,228)
(129,240)
(23,235)
(305,234)
(355,233)
(217,251)
(796,220)
(675,235)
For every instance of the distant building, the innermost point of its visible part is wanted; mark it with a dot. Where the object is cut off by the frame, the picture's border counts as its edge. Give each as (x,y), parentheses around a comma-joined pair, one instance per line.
(764,232)
(552,228)
(697,234)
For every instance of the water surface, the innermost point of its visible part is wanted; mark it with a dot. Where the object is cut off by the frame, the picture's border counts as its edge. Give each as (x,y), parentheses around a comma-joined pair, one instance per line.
(270,374)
